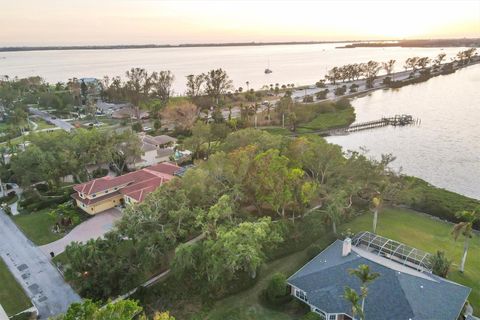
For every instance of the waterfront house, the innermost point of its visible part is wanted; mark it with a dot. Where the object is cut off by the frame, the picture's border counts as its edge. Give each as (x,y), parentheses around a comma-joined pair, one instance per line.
(405,290)
(155,149)
(100,194)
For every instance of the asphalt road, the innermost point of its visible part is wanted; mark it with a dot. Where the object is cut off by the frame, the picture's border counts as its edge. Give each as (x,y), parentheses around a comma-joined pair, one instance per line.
(47,117)
(41,281)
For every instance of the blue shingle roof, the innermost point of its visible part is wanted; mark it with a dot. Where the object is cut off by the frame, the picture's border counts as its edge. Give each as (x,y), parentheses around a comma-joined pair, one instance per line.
(394,295)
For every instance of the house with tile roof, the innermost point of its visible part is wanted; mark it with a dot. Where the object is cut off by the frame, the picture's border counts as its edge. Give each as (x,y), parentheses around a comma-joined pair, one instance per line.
(101,194)
(155,149)
(405,290)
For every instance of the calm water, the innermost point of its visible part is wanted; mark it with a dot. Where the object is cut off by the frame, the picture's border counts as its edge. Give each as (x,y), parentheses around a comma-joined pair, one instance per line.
(445,148)
(299,64)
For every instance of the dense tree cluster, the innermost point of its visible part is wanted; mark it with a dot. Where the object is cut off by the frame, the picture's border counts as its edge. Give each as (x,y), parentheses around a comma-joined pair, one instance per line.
(115,310)
(54,155)
(228,215)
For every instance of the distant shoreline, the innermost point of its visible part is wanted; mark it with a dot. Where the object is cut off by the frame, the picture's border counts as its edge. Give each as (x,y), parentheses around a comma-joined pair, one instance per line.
(433,43)
(353,44)
(161,46)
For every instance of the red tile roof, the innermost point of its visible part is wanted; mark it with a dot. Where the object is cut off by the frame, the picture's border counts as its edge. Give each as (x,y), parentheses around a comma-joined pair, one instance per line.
(138,183)
(150,184)
(95,200)
(165,167)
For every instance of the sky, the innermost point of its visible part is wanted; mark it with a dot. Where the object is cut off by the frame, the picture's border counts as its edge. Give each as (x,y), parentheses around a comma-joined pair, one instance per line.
(85,22)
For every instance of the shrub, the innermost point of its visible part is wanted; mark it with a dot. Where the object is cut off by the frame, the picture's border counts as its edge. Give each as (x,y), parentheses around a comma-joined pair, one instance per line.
(440,264)
(308,99)
(32,201)
(137,126)
(353,87)
(8,197)
(340,91)
(277,287)
(99,172)
(312,316)
(41,187)
(157,124)
(343,104)
(387,81)
(321,95)
(441,203)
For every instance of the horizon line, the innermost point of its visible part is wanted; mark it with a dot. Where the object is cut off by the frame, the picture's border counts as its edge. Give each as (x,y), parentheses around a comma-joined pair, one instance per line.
(206,44)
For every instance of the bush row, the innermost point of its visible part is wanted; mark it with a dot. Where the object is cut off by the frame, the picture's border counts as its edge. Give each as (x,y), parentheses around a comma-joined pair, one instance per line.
(441,203)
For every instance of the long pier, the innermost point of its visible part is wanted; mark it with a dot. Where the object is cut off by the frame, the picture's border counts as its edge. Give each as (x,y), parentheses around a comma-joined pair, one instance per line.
(397,120)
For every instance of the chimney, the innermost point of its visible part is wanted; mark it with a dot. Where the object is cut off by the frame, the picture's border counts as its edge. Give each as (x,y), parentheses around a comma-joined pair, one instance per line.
(347,247)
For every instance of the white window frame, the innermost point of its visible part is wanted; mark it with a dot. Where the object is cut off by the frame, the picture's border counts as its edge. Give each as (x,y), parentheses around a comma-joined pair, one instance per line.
(300,294)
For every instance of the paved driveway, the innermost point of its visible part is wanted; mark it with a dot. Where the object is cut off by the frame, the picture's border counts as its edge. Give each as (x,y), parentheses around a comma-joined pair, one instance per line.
(93,228)
(41,281)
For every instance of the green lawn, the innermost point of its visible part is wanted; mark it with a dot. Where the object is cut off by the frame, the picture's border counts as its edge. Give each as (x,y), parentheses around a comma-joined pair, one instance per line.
(37,226)
(12,297)
(402,225)
(246,305)
(42,124)
(323,121)
(329,120)
(428,234)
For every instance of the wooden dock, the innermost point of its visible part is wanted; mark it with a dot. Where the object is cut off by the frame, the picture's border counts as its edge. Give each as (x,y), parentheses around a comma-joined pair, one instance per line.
(397,120)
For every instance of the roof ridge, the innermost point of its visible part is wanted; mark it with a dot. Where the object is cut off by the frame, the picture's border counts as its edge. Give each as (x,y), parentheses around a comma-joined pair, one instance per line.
(331,244)
(330,267)
(399,284)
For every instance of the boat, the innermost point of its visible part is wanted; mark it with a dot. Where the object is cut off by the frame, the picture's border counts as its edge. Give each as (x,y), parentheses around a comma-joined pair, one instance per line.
(267,70)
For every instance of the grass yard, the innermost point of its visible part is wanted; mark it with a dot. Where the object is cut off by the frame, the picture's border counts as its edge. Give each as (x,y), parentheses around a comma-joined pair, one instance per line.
(246,304)
(327,121)
(42,124)
(12,297)
(37,226)
(427,234)
(403,225)
(323,121)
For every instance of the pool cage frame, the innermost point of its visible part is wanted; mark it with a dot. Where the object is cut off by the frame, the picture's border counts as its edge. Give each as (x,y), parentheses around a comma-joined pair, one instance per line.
(394,250)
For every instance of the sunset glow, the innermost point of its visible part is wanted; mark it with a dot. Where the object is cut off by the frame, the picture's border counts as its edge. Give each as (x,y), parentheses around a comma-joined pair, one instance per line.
(54,22)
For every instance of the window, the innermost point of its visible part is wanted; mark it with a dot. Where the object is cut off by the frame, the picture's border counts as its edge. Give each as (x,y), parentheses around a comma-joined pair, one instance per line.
(332,317)
(320,312)
(301,295)
(106,191)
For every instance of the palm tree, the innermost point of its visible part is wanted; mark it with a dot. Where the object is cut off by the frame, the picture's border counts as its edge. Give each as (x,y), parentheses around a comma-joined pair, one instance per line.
(465,228)
(336,208)
(388,66)
(352,296)
(365,276)
(248,85)
(377,205)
